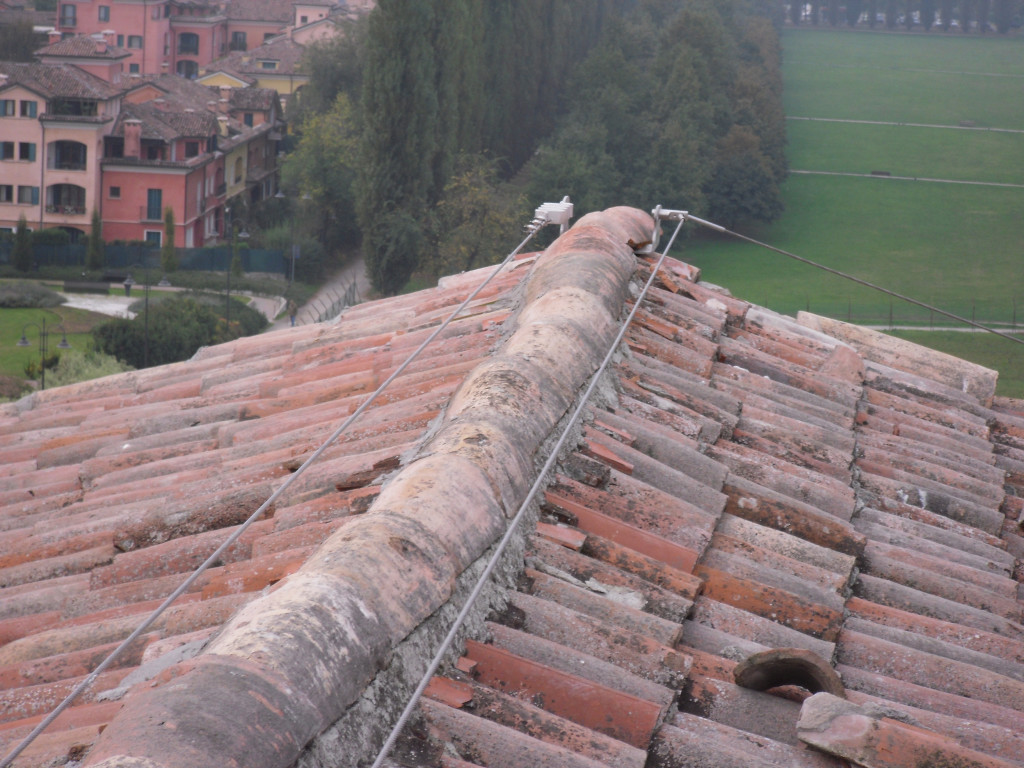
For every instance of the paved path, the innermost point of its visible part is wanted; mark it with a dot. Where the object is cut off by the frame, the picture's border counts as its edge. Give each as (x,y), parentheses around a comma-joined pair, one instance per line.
(327,295)
(270,306)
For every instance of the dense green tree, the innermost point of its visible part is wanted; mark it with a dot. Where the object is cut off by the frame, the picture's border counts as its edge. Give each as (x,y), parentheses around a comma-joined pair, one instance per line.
(983,16)
(1003,13)
(320,174)
(742,187)
(476,220)
(19,42)
(945,14)
(335,66)
(854,9)
(890,14)
(966,15)
(832,12)
(94,246)
(22,253)
(927,14)
(400,143)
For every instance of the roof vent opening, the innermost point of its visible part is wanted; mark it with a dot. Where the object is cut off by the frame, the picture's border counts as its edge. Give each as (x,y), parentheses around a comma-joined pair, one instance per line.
(792,673)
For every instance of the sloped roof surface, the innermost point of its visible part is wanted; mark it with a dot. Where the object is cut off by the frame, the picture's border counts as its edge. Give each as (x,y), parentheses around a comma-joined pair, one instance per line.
(183,109)
(57,80)
(260,10)
(84,46)
(282,49)
(167,122)
(253,98)
(754,503)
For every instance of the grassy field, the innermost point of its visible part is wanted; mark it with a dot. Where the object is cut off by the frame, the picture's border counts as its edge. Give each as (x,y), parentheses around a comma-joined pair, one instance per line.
(957,246)
(13,358)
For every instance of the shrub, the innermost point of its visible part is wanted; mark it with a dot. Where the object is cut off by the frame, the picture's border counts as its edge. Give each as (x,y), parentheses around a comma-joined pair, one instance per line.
(52,236)
(75,366)
(23,295)
(178,327)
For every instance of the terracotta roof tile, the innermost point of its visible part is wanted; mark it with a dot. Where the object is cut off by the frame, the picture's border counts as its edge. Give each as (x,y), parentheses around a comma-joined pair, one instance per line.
(843,729)
(746,483)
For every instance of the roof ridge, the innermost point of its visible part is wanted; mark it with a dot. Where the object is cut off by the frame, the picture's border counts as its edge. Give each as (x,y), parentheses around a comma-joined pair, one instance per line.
(294,660)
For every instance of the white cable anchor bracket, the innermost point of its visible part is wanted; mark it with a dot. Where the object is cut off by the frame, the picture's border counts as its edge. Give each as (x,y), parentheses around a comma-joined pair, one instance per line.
(670,214)
(552,213)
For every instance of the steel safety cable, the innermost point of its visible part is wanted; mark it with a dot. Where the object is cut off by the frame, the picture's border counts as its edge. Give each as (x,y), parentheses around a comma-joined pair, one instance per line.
(492,563)
(861,281)
(532,230)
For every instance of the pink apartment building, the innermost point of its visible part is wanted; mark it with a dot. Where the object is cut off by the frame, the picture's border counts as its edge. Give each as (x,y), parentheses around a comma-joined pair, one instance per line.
(53,120)
(72,143)
(169,147)
(183,36)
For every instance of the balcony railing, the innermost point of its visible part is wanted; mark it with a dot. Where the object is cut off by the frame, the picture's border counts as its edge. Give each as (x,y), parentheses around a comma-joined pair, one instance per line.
(220,189)
(68,210)
(150,214)
(68,165)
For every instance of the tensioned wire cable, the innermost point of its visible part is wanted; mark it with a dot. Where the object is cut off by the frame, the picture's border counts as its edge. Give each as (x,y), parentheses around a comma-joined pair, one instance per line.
(541,480)
(858,280)
(532,229)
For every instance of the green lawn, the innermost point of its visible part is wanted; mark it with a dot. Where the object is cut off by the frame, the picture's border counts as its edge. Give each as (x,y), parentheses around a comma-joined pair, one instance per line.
(938,79)
(959,155)
(958,246)
(13,358)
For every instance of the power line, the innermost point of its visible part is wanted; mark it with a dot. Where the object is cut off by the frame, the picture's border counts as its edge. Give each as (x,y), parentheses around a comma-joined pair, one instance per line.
(532,228)
(540,481)
(852,278)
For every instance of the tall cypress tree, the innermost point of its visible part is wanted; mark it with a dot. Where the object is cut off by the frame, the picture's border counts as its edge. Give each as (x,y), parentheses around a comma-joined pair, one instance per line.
(399,143)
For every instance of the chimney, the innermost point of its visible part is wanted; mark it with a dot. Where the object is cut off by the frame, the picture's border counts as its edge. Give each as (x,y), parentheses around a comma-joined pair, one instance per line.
(53,37)
(222,125)
(109,35)
(211,106)
(133,138)
(225,106)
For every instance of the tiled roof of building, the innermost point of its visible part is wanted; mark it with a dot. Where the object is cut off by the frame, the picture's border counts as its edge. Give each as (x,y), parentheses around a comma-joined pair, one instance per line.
(282,49)
(772,542)
(280,11)
(167,122)
(56,80)
(254,99)
(185,108)
(83,46)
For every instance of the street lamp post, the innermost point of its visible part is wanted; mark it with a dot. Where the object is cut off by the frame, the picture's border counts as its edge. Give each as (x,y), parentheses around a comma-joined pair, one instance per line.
(235,235)
(43,333)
